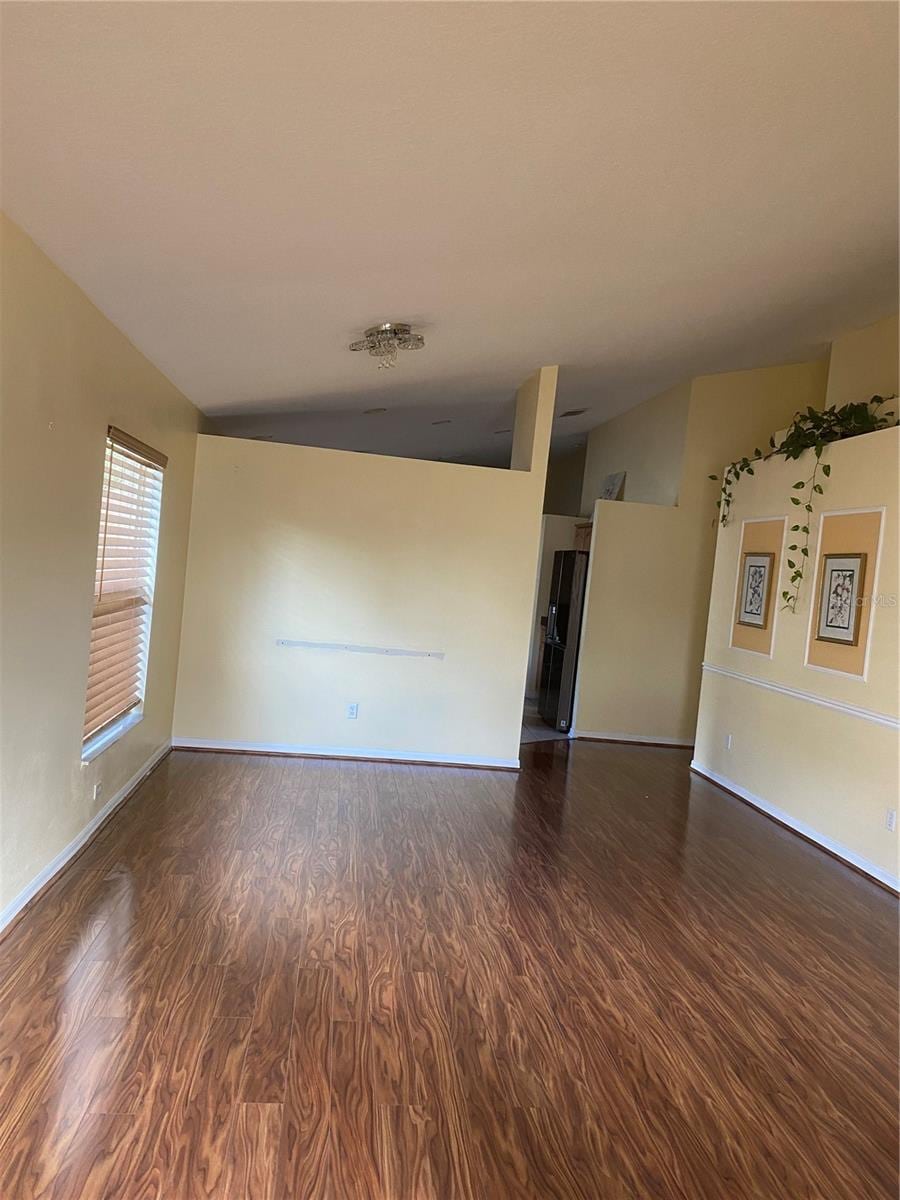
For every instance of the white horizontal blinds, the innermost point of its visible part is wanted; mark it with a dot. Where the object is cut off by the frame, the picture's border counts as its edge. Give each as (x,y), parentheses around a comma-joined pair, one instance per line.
(123,584)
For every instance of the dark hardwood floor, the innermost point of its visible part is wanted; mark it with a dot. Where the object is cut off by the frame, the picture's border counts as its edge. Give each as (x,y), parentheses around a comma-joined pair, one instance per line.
(598,979)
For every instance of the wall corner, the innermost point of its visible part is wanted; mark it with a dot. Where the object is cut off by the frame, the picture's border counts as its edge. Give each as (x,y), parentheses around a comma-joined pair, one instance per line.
(535,402)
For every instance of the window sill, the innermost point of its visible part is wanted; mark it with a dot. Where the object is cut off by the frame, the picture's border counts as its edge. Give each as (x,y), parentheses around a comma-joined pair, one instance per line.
(102,741)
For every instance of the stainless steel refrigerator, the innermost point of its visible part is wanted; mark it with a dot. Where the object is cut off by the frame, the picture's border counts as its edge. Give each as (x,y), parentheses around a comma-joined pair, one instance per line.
(562,635)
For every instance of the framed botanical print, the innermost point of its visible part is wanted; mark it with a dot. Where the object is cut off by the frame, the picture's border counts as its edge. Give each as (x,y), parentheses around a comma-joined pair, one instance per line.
(756,590)
(840,609)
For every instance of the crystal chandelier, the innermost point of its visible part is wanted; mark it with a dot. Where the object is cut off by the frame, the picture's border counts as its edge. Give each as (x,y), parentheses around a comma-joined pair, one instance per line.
(384,342)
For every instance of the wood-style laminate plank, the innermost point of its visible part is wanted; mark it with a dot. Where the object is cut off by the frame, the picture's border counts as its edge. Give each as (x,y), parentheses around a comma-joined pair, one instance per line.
(97,1164)
(205,1120)
(41,1131)
(396,1080)
(602,977)
(432,1047)
(154,1052)
(405,1135)
(303,1151)
(252,1159)
(266,1059)
(353,1149)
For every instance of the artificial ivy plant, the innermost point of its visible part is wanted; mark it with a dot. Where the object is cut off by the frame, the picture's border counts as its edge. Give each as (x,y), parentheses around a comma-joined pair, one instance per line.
(810,430)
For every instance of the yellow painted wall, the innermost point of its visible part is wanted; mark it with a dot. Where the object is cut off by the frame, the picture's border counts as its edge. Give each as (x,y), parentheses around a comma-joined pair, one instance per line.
(864,363)
(565,476)
(732,413)
(636,667)
(651,565)
(647,443)
(830,772)
(65,374)
(321,545)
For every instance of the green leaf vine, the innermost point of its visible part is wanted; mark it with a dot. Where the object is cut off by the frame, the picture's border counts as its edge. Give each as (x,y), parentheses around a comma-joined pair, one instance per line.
(812,430)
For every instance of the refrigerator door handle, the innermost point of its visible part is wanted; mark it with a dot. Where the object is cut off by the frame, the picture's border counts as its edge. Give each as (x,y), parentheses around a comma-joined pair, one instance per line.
(551,623)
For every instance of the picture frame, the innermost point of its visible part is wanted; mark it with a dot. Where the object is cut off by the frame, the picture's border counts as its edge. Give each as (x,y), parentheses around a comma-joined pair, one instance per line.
(840,610)
(755,597)
(613,487)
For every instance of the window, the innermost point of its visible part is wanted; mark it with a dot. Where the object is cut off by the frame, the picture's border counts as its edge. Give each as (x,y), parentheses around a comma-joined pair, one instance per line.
(123,585)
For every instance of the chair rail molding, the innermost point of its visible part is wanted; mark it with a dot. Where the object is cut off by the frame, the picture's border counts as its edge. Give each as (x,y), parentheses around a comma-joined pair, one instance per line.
(850,710)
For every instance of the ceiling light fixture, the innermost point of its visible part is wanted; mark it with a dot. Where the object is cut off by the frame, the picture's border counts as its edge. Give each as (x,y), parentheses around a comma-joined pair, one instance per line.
(384,342)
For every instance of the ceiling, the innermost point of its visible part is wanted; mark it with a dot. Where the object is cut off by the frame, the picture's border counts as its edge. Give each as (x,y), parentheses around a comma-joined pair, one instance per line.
(638,192)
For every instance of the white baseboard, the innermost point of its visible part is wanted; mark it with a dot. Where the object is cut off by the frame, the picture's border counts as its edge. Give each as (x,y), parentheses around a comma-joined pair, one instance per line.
(410,756)
(836,848)
(640,739)
(40,880)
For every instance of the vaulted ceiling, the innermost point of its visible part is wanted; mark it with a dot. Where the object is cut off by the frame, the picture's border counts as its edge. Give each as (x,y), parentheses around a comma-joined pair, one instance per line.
(638,192)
